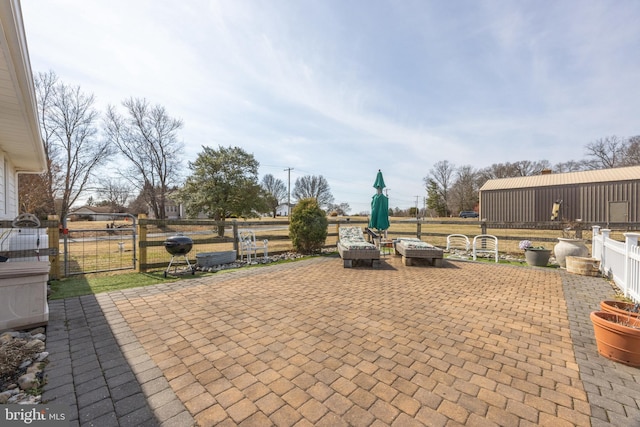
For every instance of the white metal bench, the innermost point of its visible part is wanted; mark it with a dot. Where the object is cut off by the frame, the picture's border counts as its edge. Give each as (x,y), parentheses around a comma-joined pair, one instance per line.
(247,245)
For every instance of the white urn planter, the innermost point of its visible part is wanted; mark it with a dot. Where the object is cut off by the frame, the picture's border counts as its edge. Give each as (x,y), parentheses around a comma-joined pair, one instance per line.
(569,247)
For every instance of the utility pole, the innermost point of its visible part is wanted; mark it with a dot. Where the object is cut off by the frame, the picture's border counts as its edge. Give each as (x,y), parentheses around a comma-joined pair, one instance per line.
(424,202)
(289,193)
(417,215)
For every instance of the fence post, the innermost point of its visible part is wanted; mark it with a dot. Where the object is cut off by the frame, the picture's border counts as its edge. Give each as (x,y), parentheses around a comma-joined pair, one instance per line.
(630,240)
(595,232)
(141,264)
(54,239)
(483,227)
(235,238)
(603,257)
(418,229)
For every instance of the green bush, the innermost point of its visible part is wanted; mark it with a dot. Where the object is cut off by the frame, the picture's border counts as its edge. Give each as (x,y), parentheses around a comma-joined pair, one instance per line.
(308,226)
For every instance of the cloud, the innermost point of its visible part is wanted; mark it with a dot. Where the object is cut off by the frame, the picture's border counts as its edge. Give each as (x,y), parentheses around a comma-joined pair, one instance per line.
(341,89)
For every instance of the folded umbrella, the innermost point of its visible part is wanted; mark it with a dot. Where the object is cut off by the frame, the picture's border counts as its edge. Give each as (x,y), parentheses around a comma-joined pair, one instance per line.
(379,206)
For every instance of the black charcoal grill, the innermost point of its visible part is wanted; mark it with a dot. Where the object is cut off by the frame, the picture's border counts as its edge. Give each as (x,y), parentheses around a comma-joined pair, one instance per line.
(179,246)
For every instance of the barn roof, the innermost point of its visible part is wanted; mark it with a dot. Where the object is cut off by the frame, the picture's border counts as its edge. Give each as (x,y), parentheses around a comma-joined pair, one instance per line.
(584,177)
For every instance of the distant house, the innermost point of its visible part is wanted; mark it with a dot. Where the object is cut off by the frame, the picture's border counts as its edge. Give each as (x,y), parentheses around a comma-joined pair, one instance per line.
(284,209)
(174,210)
(21,147)
(92,213)
(599,196)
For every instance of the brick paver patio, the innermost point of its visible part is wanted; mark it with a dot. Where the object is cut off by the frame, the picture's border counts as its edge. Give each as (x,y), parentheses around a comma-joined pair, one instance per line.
(312,343)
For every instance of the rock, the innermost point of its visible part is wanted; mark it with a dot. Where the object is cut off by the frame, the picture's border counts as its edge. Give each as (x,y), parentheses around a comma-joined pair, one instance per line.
(28,381)
(35,345)
(31,400)
(27,346)
(18,398)
(35,369)
(41,337)
(4,397)
(8,336)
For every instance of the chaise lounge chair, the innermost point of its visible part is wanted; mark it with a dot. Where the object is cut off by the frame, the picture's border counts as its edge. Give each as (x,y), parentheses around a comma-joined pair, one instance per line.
(411,248)
(353,247)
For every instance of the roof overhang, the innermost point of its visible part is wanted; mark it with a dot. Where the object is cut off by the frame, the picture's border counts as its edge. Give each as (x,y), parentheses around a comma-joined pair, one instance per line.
(20,136)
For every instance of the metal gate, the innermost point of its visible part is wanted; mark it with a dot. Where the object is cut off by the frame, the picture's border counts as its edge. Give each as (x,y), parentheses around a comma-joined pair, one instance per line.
(98,243)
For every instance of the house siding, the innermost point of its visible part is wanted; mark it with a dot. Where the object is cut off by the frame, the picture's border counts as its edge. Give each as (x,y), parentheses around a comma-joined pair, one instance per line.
(8,190)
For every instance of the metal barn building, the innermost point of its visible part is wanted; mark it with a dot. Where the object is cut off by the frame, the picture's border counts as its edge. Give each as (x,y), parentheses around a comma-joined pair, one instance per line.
(600,196)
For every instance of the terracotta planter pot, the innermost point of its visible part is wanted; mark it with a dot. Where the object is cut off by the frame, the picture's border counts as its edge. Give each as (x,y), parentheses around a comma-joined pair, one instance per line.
(537,257)
(619,307)
(616,341)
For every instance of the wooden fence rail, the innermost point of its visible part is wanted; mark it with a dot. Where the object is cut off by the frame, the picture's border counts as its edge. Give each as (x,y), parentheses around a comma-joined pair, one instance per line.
(151,253)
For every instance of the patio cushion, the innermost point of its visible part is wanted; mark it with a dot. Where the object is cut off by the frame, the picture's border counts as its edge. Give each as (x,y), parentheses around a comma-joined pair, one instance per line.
(413,243)
(351,238)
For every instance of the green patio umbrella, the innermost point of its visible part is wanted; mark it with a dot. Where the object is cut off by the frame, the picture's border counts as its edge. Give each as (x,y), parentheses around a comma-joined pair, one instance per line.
(379,206)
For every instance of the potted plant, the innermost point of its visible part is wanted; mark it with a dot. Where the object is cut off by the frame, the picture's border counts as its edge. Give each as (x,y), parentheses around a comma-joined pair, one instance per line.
(536,256)
(620,307)
(617,337)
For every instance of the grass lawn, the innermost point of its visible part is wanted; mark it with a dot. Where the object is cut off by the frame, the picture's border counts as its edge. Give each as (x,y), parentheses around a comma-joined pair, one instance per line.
(89,284)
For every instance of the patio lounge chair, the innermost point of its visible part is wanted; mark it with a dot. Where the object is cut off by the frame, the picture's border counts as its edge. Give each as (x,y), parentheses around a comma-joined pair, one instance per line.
(353,247)
(458,241)
(485,244)
(411,248)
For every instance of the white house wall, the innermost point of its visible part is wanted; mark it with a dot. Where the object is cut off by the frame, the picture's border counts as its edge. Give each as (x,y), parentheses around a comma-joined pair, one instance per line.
(8,189)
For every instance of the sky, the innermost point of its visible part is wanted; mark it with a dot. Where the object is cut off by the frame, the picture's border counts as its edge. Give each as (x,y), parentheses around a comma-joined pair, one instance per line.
(344,88)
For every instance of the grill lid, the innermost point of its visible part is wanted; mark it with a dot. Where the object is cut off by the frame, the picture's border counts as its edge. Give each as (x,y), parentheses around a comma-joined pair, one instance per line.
(178,244)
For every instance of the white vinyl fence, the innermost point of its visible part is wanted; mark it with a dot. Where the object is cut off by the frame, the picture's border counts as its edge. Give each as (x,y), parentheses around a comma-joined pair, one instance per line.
(619,261)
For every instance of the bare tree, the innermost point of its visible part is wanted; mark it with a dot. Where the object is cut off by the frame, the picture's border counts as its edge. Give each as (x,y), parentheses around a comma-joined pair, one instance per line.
(34,195)
(68,121)
(464,192)
(138,206)
(313,186)
(276,192)
(439,182)
(631,155)
(605,153)
(530,168)
(571,166)
(147,138)
(37,192)
(340,209)
(114,192)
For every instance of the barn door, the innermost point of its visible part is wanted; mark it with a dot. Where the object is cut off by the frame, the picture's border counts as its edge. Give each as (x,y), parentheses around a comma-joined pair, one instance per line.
(618,211)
